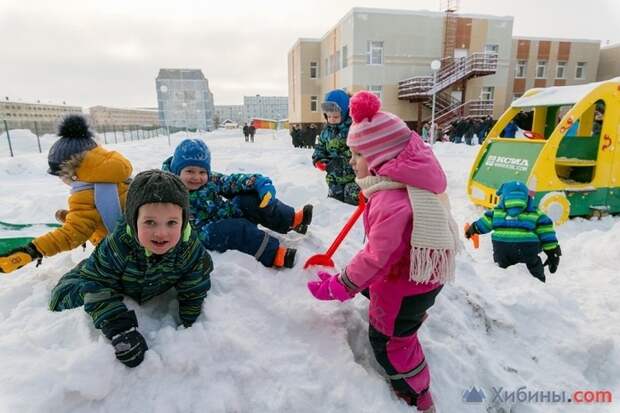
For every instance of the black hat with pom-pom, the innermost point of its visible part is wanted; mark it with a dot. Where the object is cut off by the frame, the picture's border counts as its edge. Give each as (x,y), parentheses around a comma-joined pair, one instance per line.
(75,137)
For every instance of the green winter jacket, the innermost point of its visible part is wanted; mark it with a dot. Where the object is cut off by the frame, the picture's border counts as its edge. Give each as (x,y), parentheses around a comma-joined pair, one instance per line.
(120,266)
(332,149)
(517,220)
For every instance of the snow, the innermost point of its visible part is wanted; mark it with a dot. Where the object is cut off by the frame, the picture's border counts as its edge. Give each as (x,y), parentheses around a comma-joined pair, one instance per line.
(558,95)
(263,344)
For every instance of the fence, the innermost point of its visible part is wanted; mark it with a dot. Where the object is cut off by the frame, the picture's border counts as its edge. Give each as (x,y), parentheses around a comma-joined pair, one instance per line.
(20,137)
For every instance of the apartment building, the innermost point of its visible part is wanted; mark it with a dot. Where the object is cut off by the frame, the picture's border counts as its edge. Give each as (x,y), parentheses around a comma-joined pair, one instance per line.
(544,62)
(389,52)
(266,107)
(108,116)
(232,112)
(184,99)
(609,62)
(23,115)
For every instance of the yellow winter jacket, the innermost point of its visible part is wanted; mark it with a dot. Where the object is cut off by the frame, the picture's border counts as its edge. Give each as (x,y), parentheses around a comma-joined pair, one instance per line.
(83,222)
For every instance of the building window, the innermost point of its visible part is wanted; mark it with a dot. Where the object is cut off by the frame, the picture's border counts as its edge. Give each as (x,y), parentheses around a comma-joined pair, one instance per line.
(516,96)
(314,103)
(560,70)
(491,48)
(580,70)
(375,53)
(337,61)
(487,93)
(314,70)
(326,66)
(345,51)
(377,90)
(541,69)
(521,69)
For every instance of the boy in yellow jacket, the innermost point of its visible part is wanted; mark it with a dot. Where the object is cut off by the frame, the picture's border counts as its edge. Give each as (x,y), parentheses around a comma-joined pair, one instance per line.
(98,179)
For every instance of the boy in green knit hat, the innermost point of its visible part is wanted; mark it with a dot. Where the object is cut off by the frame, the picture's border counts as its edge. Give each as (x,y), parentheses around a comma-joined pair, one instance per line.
(151,251)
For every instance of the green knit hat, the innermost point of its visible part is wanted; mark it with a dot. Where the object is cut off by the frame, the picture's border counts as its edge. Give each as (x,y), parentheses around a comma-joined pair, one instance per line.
(154,186)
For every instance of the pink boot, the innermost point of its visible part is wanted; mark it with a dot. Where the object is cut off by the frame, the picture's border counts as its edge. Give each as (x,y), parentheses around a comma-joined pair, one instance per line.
(425,402)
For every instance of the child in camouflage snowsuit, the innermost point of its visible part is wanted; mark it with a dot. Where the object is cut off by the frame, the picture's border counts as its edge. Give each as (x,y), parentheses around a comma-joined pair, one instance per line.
(520,231)
(331,153)
(225,209)
(151,251)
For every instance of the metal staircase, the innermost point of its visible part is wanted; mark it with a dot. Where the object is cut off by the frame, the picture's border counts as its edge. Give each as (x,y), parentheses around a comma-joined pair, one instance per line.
(453,70)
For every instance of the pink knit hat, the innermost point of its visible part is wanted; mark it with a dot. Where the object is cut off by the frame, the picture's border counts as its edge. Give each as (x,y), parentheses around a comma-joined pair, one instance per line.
(378,136)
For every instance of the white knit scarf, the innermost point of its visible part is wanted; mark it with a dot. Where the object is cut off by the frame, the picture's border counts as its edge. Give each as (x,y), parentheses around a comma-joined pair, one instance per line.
(434,238)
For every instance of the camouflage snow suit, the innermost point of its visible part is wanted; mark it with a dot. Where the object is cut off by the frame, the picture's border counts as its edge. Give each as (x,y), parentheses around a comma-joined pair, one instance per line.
(332,150)
(225,213)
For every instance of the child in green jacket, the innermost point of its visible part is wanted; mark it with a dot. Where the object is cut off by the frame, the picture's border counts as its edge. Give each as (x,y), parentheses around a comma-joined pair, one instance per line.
(152,250)
(520,231)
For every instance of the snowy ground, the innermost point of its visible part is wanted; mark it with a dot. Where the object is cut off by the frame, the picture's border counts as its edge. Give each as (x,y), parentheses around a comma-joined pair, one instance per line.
(263,344)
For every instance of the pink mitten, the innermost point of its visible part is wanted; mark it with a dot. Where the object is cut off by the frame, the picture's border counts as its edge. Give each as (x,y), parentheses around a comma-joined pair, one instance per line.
(329,288)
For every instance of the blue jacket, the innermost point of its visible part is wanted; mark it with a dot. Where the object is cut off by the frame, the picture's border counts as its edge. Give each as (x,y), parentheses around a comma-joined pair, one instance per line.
(214,200)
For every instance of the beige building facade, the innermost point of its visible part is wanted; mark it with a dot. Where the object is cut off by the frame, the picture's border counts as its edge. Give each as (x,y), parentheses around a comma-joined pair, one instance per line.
(389,52)
(14,112)
(609,62)
(544,62)
(108,116)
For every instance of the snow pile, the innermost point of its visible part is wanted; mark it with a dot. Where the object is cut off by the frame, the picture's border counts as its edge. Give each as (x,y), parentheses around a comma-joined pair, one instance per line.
(263,344)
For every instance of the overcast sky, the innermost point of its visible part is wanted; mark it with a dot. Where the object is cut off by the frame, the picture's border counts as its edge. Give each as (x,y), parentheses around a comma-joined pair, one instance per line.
(94,52)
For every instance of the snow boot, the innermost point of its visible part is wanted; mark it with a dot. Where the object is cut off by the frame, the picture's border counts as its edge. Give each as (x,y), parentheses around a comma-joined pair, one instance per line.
(423,402)
(285,258)
(302,219)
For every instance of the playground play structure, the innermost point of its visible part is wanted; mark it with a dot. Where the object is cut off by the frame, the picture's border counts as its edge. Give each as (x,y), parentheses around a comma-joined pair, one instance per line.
(261,123)
(570,159)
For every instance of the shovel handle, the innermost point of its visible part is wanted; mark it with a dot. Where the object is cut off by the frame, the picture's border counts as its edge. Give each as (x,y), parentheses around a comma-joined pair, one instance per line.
(347,227)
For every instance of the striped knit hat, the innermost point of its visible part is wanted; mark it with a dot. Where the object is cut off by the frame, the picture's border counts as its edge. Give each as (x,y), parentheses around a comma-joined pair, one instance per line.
(378,136)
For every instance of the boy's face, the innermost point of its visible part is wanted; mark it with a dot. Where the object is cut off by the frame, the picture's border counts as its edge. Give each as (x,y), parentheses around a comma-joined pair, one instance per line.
(359,164)
(193,177)
(333,118)
(159,226)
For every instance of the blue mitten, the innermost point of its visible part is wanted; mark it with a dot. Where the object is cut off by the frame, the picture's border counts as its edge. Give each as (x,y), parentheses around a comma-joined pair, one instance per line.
(266,191)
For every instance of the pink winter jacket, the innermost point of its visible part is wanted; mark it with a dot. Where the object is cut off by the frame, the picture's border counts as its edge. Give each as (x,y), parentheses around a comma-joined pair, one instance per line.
(388,220)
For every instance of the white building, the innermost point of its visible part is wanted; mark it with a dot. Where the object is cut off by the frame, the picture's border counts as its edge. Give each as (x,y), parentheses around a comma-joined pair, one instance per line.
(267,107)
(232,112)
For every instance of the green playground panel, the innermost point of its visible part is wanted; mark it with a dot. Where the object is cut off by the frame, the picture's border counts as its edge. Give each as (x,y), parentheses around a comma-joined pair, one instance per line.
(7,244)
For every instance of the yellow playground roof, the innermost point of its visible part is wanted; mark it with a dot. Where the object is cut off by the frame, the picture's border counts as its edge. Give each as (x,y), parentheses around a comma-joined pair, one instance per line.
(558,95)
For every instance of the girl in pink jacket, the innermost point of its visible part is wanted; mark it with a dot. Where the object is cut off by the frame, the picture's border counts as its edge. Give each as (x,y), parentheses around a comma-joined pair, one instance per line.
(412,241)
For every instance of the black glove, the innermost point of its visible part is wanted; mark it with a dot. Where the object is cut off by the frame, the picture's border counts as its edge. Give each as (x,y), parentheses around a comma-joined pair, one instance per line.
(129,347)
(129,344)
(553,259)
(470,231)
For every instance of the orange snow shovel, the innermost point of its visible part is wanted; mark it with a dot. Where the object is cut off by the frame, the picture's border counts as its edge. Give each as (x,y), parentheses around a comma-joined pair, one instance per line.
(475,239)
(326,259)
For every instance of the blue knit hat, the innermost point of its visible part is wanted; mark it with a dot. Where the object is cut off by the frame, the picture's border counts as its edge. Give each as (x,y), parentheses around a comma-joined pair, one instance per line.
(341,98)
(75,137)
(514,198)
(191,152)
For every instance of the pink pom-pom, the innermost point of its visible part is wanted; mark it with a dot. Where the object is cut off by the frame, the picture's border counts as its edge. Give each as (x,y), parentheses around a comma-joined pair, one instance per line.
(364,105)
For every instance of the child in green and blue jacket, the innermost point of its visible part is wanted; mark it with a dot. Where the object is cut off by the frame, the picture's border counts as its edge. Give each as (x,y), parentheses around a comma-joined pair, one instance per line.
(520,231)
(226,209)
